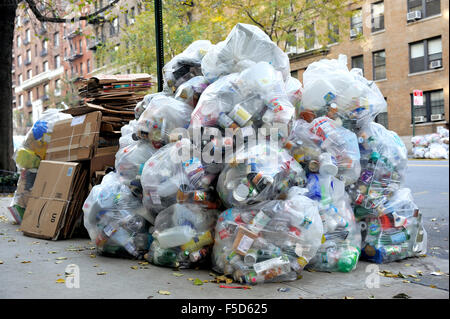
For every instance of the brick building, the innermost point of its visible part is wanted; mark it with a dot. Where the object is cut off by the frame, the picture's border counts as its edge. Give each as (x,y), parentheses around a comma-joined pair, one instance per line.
(402,45)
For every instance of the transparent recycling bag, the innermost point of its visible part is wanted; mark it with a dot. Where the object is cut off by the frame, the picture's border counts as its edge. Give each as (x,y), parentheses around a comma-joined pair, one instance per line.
(189,92)
(257,173)
(331,89)
(116,220)
(384,160)
(183,236)
(323,146)
(268,242)
(175,175)
(162,116)
(244,45)
(394,231)
(185,65)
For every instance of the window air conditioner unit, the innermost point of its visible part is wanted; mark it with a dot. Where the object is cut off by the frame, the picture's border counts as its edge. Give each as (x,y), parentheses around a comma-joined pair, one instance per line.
(437,117)
(419,119)
(413,15)
(436,64)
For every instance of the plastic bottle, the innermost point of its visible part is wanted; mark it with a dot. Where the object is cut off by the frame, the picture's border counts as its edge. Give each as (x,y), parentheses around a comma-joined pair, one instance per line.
(174,236)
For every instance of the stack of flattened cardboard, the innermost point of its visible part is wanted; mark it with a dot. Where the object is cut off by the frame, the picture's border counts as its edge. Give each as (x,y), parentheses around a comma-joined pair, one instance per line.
(54,210)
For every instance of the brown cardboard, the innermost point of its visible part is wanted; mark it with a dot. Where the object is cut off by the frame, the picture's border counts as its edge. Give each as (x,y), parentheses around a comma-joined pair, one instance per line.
(75,139)
(52,208)
(243,235)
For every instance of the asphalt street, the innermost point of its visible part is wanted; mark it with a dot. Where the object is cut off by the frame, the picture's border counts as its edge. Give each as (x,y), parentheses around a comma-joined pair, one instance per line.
(428,181)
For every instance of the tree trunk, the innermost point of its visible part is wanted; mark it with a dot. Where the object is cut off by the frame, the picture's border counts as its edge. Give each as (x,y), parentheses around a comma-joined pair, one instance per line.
(7,16)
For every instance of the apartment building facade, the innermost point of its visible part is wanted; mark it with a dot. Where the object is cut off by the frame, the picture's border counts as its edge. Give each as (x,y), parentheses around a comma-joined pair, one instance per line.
(401,45)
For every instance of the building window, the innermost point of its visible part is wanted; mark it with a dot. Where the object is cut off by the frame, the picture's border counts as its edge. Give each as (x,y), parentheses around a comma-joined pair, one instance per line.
(379,65)
(333,32)
(88,65)
(20,79)
(28,56)
(21,100)
(28,36)
(58,87)
(425,55)
(382,118)
(114,28)
(57,61)
(19,41)
(427,8)
(37,69)
(310,37)
(377,16)
(356,27)
(358,62)
(29,74)
(432,109)
(56,39)
(81,68)
(19,60)
(132,15)
(45,66)
(35,50)
(46,89)
(44,45)
(125,15)
(80,46)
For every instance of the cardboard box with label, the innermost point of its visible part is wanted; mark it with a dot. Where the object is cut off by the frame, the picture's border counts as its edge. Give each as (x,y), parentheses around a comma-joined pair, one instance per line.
(54,210)
(75,139)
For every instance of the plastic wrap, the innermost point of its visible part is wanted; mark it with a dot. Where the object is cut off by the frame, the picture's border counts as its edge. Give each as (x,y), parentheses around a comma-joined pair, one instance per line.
(384,161)
(268,242)
(183,236)
(116,220)
(168,178)
(258,173)
(185,65)
(307,141)
(162,116)
(244,45)
(331,89)
(130,160)
(395,232)
(341,248)
(189,92)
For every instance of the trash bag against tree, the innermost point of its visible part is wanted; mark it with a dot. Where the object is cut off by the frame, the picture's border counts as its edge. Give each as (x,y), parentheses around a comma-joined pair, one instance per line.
(384,159)
(116,220)
(183,236)
(268,242)
(36,141)
(331,89)
(185,65)
(189,92)
(162,116)
(395,232)
(341,245)
(177,174)
(257,173)
(244,45)
(130,160)
(341,156)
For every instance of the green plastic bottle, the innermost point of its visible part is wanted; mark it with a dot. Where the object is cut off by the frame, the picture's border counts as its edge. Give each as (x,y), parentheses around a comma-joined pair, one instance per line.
(348,259)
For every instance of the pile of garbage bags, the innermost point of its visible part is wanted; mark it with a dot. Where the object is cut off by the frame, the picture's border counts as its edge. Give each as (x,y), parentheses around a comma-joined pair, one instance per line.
(237,166)
(28,157)
(433,146)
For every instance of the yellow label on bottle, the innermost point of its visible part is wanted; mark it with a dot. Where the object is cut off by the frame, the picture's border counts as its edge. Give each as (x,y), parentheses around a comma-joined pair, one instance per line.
(198,242)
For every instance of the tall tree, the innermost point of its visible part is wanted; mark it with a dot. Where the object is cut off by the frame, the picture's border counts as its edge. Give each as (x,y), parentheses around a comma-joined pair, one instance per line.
(53,13)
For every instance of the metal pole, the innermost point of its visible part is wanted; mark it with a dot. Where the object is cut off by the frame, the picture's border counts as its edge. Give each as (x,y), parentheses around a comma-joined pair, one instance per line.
(159,43)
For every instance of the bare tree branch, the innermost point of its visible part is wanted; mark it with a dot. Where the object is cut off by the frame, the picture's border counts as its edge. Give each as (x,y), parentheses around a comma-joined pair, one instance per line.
(42,18)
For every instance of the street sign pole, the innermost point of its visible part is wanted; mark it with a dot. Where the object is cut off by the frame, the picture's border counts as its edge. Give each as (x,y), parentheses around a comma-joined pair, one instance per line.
(159,43)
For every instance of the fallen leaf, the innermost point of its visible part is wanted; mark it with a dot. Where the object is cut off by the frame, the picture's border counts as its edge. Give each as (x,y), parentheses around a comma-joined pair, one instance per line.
(52,252)
(25,262)
(433,219)
(432,286)
(387,273)
(177,274)
(407,265)
(93,255)
(416,279)
(60,281)
(348,297)
(435,248)
(190,279)
(61,258)
(401,296)
(198,282)
(142,263)
(420,272)
(164,292)
(1,262)
(58,262)
(400,275)
(134,267)
(371,297)
(406,281)
(205,281)
(412,276)
(149,297)
(101,273)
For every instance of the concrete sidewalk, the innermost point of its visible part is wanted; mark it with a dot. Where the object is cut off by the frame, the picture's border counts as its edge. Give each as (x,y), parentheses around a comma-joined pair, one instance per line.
(30,268)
